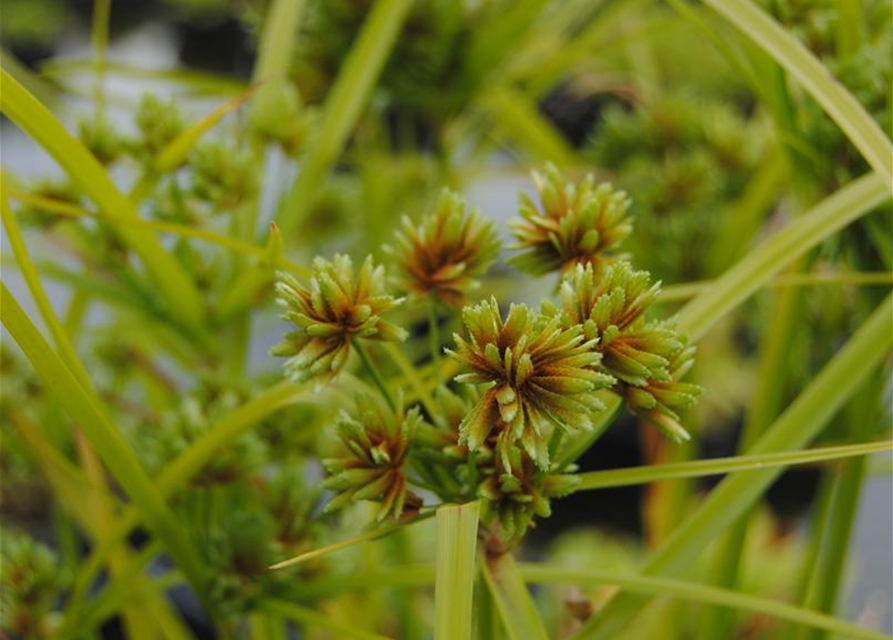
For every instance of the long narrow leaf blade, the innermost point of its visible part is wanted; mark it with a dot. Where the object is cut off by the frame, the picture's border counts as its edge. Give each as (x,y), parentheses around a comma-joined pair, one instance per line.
(106,440)
(457,529)
(799,424)
(837,102)
(36,120)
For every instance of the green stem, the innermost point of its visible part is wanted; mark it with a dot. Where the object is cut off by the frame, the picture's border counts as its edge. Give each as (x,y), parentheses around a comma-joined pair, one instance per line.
(373,371)
(764,407)
(434,339)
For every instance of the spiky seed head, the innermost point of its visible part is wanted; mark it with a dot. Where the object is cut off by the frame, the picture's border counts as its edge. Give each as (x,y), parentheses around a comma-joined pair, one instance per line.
(515,491)
(377,442)
(337,306)
(659,401)
(538,375)
(646,357)
(574,224)
(447,251)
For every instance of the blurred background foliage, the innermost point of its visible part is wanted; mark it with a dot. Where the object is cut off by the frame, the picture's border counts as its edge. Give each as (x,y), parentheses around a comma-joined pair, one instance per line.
(714,145)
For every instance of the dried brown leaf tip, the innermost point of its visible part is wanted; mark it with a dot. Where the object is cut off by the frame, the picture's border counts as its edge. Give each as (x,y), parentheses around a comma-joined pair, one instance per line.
(447,251)
(574,224)
(647,358)
(337,307)
(377,442)
(539,375)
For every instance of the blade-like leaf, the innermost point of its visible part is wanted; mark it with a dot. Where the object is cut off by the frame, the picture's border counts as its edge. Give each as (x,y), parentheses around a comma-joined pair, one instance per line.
(519,615)
(103,436)
(765,261)
(800,423)
(837,102)
(457,528)
(344,104)
(700,468)
(698,593)
(21,107)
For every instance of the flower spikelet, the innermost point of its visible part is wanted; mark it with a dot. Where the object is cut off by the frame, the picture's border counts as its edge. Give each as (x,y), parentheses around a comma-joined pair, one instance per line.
(611,311)
(646,357)
(336,307)
(446,251)
(659,401)
(515,491)
(575,224)
(377,442)
(538,373)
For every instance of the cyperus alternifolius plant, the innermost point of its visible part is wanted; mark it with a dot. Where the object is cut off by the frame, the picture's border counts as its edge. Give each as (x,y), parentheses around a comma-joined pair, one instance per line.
(377,442)
(445,253)
(539,375)
(337,307)
(575,224)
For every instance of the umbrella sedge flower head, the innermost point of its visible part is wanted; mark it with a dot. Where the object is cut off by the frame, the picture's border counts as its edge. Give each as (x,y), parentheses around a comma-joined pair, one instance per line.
(447,251)
(515,491)
(574,224)
(641,355)
(377,442)
(337,307)
(659,401)
(539,375)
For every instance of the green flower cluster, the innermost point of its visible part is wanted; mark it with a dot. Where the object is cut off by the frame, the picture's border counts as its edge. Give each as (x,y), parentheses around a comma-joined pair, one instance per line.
(646,358)
(31,578)
(685,160)
(446,252)
(338,307)
(373,467)
(540,375)
(529,379)
(575,224)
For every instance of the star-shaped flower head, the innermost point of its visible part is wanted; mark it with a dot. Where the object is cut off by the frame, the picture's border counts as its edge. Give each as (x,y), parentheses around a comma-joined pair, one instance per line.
(337,307)
(515,491)
(447,251)
(539,375)
(373,467)
(659,401)
(574,224)
(610,309)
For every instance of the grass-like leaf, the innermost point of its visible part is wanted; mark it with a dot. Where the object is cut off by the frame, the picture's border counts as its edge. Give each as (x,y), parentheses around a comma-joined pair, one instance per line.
(544,574)
(837,102)
(106,440)
(717,466)
(344,104)
(516,608)
(457,528)
(800,423)
(316,620)
(765,261)
(27,112)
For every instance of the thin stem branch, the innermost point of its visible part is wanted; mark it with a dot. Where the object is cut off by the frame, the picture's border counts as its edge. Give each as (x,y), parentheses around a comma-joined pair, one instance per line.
(373,371)
(434,339)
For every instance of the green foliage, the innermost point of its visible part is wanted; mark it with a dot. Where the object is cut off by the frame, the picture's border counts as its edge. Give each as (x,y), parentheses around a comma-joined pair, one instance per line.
(149,405)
